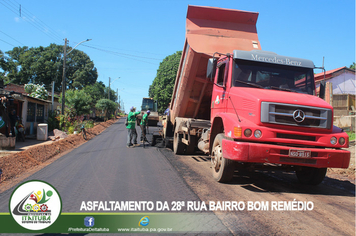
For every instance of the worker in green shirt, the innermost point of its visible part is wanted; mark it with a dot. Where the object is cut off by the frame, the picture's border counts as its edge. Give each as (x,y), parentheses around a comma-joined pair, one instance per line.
(143,125)
(131,127)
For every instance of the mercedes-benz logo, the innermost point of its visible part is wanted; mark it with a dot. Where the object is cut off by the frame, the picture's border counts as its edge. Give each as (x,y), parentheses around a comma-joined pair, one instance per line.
(298,116)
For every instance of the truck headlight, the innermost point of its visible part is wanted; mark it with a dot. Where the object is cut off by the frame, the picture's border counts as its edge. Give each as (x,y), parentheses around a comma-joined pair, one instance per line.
(333,140)
(257,133)
(248,132)
(342,141)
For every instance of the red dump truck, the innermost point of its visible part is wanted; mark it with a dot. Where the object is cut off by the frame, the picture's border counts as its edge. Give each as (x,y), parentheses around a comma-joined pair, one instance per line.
(247,107)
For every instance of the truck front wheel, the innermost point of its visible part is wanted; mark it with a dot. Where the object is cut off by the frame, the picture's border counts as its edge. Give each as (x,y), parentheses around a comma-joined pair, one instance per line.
(223,169)
(310,175)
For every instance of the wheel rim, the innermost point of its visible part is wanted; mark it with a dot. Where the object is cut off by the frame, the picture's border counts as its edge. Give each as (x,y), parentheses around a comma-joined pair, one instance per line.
(217,157)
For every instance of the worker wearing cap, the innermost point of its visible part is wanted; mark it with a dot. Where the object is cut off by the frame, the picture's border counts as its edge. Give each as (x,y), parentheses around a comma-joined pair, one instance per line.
(131,127)
(143,125)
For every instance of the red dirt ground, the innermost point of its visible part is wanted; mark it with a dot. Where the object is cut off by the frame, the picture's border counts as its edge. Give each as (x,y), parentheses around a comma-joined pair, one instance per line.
(16,164)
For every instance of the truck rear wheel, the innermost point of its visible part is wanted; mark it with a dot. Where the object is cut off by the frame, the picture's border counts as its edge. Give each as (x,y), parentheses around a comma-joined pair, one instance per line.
(191,147)
(223,169)
(168,133)
(311,175)
(178,145)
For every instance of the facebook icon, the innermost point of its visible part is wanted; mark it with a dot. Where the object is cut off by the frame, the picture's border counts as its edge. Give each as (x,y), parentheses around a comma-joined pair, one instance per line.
(89,221)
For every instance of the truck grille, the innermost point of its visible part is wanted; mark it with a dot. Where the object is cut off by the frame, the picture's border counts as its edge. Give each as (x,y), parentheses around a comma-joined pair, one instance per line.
(296,137)
(295,115)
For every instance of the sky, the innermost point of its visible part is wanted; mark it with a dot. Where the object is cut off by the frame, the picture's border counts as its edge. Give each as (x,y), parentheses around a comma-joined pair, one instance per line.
(129,39)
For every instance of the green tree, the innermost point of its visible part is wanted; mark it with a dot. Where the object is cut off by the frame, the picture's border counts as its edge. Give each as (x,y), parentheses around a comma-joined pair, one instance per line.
(99,91)
(80,70)
(352,66)
(78,100)
(96,91)
(107,106)
(162,86)
(42,65)
(113,96)
(3,65)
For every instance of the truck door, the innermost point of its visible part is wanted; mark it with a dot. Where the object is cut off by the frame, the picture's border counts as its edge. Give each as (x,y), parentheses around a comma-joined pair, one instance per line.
(219,98)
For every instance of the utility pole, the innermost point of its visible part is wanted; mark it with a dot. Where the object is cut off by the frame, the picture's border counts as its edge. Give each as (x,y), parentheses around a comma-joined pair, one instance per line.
(64,74)
(52,95)
(110,84)
(64,69)
(109,88)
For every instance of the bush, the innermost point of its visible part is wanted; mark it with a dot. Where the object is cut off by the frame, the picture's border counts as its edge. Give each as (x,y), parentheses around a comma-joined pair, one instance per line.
(107,106)
(78,100)
(88,124)
(351,135)
(53,120)
(70,129)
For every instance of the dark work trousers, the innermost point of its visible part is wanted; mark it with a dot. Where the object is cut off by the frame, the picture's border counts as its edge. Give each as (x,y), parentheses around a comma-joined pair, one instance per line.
(143,132)
(131,136)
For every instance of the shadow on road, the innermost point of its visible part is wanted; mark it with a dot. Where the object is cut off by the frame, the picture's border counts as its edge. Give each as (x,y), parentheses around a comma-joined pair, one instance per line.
(282,181)
(275,181)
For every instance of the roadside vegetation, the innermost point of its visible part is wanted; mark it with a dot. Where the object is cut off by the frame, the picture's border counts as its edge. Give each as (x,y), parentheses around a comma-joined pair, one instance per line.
(162,86)
(351,135)
(85,98)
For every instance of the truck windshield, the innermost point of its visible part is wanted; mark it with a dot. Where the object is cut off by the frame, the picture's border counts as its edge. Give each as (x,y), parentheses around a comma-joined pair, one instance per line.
(148,104)
(272,76)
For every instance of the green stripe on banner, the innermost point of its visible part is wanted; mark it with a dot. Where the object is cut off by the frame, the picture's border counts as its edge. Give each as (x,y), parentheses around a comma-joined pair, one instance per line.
(123,223)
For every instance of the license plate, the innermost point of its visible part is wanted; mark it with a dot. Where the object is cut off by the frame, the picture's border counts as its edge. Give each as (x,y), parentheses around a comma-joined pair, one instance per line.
(299,153)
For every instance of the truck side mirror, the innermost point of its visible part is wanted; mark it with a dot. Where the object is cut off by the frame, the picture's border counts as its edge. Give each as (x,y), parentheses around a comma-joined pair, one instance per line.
(211,69)
(322,89)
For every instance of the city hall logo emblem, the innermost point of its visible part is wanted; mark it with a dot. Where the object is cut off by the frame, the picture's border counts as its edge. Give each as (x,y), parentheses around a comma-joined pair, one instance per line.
(35,205)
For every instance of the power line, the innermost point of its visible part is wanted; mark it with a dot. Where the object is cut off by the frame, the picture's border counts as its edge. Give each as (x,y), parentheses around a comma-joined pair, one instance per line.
(7,43)
(43,23)
(134,57)
(132,51)
(31,19)
(8,8)
(11,37)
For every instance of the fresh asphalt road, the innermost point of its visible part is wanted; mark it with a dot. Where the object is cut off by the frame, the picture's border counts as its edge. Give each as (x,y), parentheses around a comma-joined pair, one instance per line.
(104,169)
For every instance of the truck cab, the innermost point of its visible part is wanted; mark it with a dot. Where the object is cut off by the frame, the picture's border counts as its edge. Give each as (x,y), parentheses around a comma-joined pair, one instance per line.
(264,110)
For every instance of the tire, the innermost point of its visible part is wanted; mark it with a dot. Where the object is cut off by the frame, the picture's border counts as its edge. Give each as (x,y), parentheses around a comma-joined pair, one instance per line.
(167,143)
(168,133)
(191,147)
(154,140)
(178,145)
(84,133)
(311,175)
(223,169)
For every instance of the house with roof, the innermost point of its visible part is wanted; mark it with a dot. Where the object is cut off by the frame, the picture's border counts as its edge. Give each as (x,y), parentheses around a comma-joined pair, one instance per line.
(342,94)
(342,79)
(32,111)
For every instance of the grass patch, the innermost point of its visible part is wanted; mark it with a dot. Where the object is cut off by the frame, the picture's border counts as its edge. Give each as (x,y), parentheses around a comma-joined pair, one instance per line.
(351,135)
